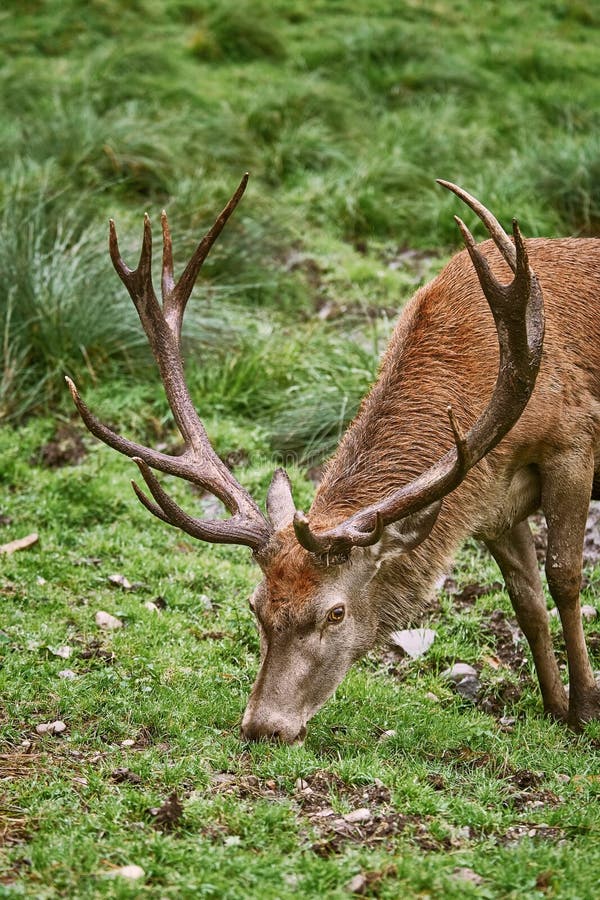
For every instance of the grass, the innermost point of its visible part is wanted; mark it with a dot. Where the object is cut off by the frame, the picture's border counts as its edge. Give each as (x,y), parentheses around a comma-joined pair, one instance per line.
(344,112)
(175,683)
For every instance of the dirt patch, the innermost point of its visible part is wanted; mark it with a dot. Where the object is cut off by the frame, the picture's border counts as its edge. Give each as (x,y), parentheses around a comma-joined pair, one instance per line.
(533,830)
(466,597)
(15,827)
(370,819)
(508,640)
(94,650)
(524,787)
(65,448)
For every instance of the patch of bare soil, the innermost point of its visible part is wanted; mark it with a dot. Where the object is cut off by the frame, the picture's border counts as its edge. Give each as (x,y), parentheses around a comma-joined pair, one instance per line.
(465,598)
(524,788)
(15,827)
(65,448)
(371,820)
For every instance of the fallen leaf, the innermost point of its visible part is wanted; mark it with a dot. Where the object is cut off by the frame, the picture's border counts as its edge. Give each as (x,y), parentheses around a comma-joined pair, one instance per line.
(107,622)
(120,581)
(20,544)
(414,641)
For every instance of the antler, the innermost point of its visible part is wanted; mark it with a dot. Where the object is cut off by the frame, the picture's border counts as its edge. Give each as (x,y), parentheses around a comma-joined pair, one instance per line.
(198,463)
(518,314)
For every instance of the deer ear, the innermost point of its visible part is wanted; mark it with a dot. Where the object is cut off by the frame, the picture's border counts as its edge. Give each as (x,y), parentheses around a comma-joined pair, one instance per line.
(280,503)
(408,533)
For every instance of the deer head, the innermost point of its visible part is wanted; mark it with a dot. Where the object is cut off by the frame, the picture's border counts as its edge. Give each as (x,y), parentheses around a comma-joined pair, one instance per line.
(316,606)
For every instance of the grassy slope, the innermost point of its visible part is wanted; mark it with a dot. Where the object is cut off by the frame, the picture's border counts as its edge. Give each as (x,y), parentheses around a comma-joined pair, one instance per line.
(345,113)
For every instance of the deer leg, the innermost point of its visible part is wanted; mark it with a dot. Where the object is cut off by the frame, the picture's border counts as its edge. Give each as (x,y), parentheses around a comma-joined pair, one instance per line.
(566,491)
(515,554)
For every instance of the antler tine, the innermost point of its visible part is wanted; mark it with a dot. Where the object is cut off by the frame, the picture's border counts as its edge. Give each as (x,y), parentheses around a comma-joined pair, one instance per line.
(198,463)
(227,531)
(518,314)
(497,232)
(176,297)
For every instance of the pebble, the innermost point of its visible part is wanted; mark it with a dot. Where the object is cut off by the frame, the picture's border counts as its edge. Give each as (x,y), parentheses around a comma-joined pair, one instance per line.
(386,735)
(589,612)
(468,687)
(151,606)
(358,884)
(205,602)
(67,673)
(302,785)
(128,742)
(131,872)
(357,816)
(51,727)
(459,671)
(107,622)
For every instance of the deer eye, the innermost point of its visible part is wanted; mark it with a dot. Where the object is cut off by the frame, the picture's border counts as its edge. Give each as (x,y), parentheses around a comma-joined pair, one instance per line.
(336,614)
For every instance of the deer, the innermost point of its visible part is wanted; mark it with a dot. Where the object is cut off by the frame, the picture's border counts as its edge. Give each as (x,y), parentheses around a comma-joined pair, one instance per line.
(485,410)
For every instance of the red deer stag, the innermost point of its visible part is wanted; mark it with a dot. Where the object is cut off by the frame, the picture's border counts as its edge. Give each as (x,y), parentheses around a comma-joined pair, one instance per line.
(442,448)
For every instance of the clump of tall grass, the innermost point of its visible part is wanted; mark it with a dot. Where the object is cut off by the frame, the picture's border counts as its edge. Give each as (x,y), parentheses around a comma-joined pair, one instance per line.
(240,31)
(65,310)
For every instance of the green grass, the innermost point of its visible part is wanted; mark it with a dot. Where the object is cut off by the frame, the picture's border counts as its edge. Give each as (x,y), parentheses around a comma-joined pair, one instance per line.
(344,112)
(179,691)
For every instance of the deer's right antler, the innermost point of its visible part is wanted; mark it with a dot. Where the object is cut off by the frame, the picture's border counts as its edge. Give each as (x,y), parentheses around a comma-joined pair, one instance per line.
(198,463)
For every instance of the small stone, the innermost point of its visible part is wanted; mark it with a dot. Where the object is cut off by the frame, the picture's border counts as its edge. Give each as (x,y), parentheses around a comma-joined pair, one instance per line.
(131,872)
(40,580)
(564,778)
(468,687)
(151,606)
(302,785)
(325,813)
(433,697)
(26,744)
(107,622)
(459,671)
(553,613)
(205,602)
(51,727)
(357,816)
(386,735)
(358,884)
(589,612)
(465,874)
(507,721)
(128,742)
(63,652)
(69,674)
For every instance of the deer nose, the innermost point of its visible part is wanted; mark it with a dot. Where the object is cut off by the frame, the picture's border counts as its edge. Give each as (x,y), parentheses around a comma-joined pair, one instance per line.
(272,728)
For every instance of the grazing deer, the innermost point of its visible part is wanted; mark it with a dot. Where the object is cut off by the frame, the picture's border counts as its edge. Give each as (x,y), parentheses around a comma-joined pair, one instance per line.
(440,450)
